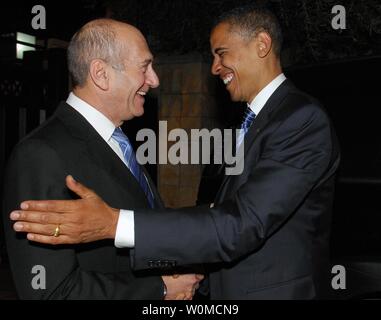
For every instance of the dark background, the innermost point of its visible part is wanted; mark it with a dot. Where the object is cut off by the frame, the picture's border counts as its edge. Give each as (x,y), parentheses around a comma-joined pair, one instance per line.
(339,67)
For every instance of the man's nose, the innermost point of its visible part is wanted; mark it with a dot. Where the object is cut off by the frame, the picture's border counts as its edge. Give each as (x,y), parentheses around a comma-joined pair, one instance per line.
(216,67)
(153,79)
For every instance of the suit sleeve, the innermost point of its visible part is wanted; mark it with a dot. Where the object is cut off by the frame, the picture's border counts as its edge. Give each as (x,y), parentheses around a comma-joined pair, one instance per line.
(294,160)
(52,272)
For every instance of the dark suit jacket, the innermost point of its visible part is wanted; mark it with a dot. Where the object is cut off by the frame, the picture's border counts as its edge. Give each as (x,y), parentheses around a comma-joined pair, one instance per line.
(68,144)
(267,237)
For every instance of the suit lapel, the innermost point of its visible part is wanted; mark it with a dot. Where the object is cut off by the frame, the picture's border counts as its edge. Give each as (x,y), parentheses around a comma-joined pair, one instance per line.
(99,151)
(107,160)
(266,114)
(264,117)
(157,199)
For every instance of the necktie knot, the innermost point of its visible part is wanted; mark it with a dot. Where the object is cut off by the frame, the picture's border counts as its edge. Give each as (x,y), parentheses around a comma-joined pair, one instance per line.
(248,119)
(120,137)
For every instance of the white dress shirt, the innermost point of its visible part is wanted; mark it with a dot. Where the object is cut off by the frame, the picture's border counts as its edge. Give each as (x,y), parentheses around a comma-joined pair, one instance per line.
(260,100)
(105,129)
(125,227)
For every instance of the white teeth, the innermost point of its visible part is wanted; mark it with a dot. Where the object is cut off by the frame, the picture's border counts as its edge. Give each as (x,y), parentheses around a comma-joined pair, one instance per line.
(228,79)
(142,93)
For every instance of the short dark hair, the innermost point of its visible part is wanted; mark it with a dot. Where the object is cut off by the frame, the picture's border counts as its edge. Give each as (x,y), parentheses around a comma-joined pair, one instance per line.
(249,20)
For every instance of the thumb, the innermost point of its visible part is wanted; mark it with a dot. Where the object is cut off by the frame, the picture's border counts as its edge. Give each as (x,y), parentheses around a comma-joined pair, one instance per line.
(199,277)
(79,189)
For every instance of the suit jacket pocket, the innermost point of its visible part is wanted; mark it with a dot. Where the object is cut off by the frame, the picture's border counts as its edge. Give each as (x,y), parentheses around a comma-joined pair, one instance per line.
(300,288)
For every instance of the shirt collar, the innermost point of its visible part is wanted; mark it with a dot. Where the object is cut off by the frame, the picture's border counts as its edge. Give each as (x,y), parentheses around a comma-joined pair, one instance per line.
(261,98)
(98,120)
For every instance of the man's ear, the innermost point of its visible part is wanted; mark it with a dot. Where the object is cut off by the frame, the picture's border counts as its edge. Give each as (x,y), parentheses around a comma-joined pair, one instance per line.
(99,74)
(263,44)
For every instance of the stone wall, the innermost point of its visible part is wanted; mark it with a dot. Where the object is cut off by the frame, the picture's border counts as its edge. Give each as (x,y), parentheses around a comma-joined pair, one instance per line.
(186,100)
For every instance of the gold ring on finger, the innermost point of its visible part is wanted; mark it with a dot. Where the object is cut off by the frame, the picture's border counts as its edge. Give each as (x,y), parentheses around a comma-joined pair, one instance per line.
(56,231)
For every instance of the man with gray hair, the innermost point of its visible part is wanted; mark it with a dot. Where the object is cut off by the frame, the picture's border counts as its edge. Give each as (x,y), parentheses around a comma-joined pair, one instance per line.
(111,67)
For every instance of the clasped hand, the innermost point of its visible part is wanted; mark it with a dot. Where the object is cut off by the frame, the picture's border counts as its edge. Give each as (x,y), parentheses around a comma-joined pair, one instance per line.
(182,287)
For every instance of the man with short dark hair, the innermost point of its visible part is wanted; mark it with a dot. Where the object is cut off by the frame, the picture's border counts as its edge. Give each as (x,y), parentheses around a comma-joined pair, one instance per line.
(267,235)
(111,67)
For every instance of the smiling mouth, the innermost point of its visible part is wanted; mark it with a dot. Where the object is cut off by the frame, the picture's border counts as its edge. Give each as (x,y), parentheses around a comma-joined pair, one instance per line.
(228,78)
(141,93)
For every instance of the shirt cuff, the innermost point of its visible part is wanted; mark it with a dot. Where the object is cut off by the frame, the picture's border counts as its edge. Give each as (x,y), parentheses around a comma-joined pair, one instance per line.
(125,230)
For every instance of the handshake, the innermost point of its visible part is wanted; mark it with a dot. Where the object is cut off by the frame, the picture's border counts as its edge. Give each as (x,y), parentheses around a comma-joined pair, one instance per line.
(181,287)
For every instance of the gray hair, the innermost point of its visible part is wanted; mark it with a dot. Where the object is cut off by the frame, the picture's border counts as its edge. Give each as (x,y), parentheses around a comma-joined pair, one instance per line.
(95,40)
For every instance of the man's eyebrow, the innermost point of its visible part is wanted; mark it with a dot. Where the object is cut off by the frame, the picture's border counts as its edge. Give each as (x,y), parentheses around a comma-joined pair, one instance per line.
(218,50)
(147,61)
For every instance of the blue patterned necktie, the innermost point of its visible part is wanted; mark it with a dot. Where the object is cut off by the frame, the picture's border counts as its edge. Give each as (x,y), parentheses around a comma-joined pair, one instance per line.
(247,120)
(132,163)
(246,123)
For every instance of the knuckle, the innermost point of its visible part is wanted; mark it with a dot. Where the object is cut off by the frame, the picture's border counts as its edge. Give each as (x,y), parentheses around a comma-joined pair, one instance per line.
(44,218)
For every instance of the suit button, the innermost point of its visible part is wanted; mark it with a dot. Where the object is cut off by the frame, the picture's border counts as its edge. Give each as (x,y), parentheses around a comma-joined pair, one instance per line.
(158,264)
(173,263)
(151,264)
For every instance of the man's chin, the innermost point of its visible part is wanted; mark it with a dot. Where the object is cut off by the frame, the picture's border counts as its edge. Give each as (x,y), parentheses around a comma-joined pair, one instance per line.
(234,98)
(139,111)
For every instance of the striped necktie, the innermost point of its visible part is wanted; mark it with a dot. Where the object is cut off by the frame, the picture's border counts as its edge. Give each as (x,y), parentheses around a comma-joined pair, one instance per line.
(132,163)
(246,123)
(247,120)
